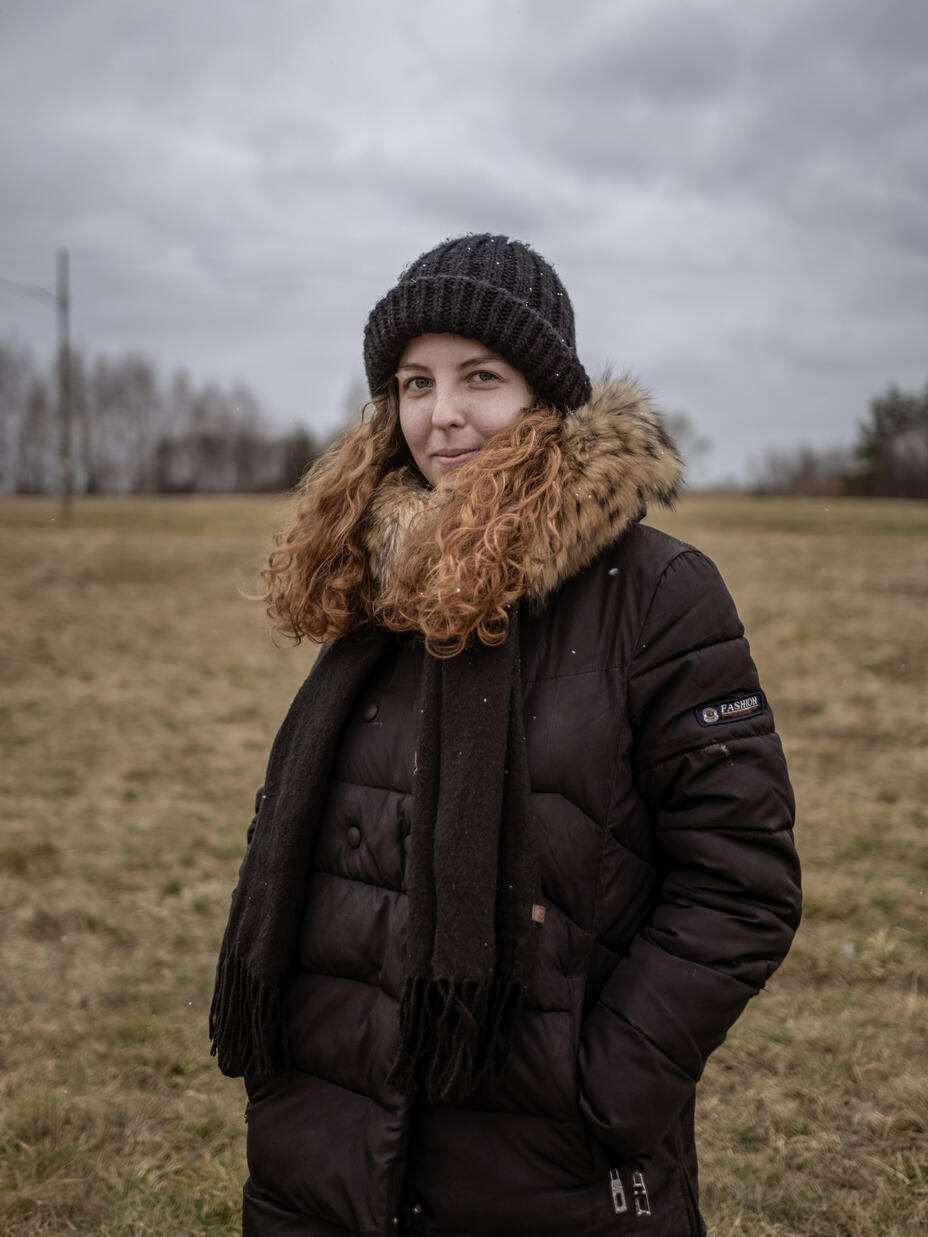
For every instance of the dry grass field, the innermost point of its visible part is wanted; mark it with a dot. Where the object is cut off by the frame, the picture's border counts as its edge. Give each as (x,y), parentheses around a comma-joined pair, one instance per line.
(139,697)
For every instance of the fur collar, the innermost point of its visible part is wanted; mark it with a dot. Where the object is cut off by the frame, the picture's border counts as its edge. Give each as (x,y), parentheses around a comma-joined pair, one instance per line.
(619,458)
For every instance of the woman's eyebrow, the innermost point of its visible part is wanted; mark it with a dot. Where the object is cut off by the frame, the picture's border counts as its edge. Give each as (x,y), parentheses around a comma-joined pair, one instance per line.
(474,360)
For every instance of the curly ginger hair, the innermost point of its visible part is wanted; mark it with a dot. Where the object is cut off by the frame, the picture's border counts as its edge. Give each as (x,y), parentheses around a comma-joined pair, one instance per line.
(470,552)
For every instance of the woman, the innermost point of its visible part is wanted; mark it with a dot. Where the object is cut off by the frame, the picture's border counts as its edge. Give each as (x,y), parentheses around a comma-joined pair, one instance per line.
(524,850)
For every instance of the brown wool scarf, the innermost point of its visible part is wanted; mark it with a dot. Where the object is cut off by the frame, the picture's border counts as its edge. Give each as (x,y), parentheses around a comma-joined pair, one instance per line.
(472,874)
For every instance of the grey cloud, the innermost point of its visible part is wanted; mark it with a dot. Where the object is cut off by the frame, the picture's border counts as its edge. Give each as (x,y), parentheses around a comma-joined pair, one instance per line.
(672,56)
(238,184)
(819,110)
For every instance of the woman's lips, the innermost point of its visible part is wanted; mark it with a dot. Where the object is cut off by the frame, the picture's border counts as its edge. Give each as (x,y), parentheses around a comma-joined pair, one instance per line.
(453,459)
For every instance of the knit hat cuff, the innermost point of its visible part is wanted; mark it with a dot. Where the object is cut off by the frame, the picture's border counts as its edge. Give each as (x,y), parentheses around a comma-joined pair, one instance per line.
(463,305)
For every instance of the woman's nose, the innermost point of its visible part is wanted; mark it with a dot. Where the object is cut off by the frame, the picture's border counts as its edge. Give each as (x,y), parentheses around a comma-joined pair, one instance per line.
(448,408)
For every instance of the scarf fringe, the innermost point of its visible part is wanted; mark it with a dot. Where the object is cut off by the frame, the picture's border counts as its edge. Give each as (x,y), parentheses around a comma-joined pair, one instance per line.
(455,1036)
(246,1023)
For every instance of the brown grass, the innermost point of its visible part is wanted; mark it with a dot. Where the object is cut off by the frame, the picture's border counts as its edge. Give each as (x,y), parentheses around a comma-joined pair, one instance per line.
(139,696)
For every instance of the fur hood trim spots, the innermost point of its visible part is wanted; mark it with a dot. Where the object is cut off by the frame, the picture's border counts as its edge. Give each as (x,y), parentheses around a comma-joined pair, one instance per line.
(618,458)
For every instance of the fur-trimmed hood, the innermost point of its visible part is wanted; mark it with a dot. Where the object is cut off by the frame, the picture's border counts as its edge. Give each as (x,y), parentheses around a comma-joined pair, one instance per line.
(618,457)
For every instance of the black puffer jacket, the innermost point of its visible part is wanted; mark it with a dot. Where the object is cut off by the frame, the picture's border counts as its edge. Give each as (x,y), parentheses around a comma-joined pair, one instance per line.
(663,814)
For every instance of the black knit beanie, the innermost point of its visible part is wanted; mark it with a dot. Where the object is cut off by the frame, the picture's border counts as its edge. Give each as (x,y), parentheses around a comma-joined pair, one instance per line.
(491,289)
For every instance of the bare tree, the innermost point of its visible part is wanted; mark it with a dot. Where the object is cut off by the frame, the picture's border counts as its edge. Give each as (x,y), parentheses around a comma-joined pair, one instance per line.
(690,443)
(802,470)
(135,434)
(17,374)
(298,451)
(140,406)
(36,468)
(86,478)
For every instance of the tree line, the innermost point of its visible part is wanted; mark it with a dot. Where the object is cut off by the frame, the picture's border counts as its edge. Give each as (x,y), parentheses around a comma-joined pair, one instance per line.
(134,433)
(888,460)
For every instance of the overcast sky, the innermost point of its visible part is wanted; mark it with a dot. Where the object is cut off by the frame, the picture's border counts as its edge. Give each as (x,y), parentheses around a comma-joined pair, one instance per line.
(735,192)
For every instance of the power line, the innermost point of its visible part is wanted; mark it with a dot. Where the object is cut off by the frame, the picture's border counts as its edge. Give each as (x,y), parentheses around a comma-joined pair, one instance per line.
(28,291)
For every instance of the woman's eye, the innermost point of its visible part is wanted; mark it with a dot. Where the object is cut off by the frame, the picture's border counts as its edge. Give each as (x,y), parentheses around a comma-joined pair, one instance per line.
(484,375)
(417,383)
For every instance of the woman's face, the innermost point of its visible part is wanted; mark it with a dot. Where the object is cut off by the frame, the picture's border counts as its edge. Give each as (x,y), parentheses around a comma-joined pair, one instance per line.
(455,393)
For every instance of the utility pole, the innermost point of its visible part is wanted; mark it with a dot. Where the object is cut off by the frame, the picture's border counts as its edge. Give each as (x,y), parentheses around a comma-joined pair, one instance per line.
(63,299)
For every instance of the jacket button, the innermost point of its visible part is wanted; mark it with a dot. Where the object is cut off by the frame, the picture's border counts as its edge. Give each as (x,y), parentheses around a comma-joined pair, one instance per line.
(354,836)
(370,711)
(417,1210)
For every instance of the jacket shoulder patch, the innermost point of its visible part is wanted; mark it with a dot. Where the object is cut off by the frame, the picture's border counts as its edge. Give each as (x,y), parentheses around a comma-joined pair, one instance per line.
(735,709)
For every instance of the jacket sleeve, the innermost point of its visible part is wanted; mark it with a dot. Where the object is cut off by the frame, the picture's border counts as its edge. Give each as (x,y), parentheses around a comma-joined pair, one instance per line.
(710,769)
